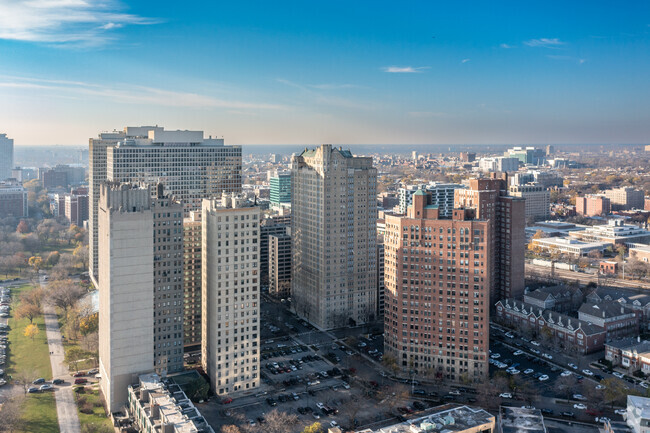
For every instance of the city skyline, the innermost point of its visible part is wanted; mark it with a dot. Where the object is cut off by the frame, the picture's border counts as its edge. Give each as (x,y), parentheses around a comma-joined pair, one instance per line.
(355,74)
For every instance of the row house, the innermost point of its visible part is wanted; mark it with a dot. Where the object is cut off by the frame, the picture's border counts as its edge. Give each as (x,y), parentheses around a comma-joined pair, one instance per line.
(618,321)
(558,298)
(569,332)
(639,303)
(630,353)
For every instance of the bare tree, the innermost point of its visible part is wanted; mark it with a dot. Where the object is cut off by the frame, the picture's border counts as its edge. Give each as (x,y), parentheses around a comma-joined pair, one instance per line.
(11,413)
(564,386)
(64,293)
(24,379)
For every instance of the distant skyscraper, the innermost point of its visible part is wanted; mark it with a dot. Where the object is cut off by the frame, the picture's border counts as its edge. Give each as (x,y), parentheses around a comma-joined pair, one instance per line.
(438,281)
(538,199)
(507,220)
(334,235)
(13,200)
(140,286)
(230,294)
(6,156)
(191,167)
(280,189)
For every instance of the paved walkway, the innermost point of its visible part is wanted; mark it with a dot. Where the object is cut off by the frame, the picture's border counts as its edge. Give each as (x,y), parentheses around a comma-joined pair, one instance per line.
(66,407)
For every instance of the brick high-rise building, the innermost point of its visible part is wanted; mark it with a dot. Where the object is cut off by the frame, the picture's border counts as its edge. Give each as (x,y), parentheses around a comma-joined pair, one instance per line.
(191,167)
(192,279)
(334,232)
(438,279)
(507,218)
(593,205)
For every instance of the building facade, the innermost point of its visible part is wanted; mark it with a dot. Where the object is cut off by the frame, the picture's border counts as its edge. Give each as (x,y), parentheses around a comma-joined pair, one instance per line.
(438,280)
(498,164)
(230,294)
(615,232)
(626,198)
(13,200)
(618,321)
(76,208)
(191,167)
(6,156)
(507,218)
(334,232)
(192,239)
(538,200)
(593,205)
(280,194)
(442,195)
(280,265)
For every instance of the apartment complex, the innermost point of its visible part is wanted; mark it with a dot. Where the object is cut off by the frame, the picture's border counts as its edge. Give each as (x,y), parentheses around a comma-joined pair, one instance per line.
(6,156)
(334,232)
(13,200)
(625,198)
(62,176)
(381,270)
(438,280)
(280,265)
(538,200)
(139,268)
(507,218)
(527,155)
(76,208)
(593,205)
(270,226)
(192,279)
(191,167)
(499,164)
(231,294)
(442,195)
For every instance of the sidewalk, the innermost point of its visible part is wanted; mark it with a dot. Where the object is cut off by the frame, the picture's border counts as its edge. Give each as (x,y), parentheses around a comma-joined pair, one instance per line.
(66,407)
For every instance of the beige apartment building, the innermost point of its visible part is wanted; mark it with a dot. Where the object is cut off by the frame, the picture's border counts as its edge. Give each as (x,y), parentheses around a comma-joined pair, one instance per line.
(438,279)
(230,297)
(334,235)
(150,263)
(538,200)
(191,166)
(625,198)
(280,265)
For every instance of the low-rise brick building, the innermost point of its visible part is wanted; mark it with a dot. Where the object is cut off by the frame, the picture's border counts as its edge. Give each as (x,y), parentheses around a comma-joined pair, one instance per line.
(630,353)
(618,321)
(558,298)
(568,332)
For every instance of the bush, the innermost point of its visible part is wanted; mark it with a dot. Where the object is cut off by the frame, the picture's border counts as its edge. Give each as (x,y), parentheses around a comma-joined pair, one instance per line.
(639,374)
(80,390)
(87,408)
(81,401)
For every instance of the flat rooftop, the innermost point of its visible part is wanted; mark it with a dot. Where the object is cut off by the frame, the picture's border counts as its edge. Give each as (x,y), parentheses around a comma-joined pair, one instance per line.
(519,420)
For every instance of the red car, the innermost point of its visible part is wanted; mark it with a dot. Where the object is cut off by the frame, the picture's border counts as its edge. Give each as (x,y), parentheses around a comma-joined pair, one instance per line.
(80,381)
(79,374)
(227,400)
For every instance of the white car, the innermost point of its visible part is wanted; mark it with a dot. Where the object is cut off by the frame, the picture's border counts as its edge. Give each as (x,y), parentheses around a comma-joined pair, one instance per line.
(334,424)
(599,386)
(572,365)
(547,356)
(518,352)
(543,377)
(620,412)
(495,356)
(579,397)
(535,351)
(510,335)
(513,371)
(587,372)
(505,395)
(579,406)
(643,385)
(566,373)
(619,375)
(529,371)
(534,343)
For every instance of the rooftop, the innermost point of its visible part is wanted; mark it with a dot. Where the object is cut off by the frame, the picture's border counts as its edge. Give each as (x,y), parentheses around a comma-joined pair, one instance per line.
(639,406)
(519,420)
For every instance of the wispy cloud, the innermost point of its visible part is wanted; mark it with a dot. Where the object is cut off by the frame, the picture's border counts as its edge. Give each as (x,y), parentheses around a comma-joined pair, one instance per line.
(544,42)
(404,69)
(581,61)
(465,60)
(78,23)
(130,94)
(505,46)
(426,114)
(321,94)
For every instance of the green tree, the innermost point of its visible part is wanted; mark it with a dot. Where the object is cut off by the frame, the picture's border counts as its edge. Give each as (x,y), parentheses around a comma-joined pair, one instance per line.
(73,355)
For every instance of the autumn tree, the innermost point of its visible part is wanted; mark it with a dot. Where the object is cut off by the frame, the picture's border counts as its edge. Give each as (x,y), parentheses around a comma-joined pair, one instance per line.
(34,297)
(89,324)
(10,416)
(28,310)
(313,428)
(64,293)
(615,390)
(35,262)
(230,428)
(81,254)
(23,227)
(52,258)
(31,331)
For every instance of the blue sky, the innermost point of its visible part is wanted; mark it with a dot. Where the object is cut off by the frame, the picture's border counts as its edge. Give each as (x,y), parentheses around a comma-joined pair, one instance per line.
(337,72)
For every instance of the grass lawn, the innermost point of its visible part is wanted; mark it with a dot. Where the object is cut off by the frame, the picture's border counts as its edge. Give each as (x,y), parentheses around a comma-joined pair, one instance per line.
(39,414)
(89,406)
(33,358)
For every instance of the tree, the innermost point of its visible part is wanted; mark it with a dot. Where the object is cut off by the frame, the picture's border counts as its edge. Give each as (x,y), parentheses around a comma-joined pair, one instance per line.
(279,422)
(197,390)
(35,262)
(73,355)
(64,293)
(313,428)
(10,416)
(564,386)
(31,331)
(615,390)
(28,310)
(24,378)
(390,363)
(22,228)
(230,428)
(81,254)
(53,258)
(350,410)
(34,297)
(89,324)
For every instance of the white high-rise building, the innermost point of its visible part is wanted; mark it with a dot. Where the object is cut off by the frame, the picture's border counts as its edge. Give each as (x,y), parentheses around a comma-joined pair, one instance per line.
(334,237)
(6,156)
(191,167)
(230,334)
(442,195)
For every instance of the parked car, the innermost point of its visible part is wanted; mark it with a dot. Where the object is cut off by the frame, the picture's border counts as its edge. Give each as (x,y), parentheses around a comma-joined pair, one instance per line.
(46,387)
(39,381)
(543,377)
(572,365)
(57,381)
(618,374)
(587,372)
(579,406)
(568,414)
(620,412)
(80,381)
(32,390)
(505,395)
(579,397)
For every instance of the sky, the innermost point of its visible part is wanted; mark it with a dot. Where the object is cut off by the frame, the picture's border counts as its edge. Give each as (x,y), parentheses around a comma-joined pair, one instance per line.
(341,72)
